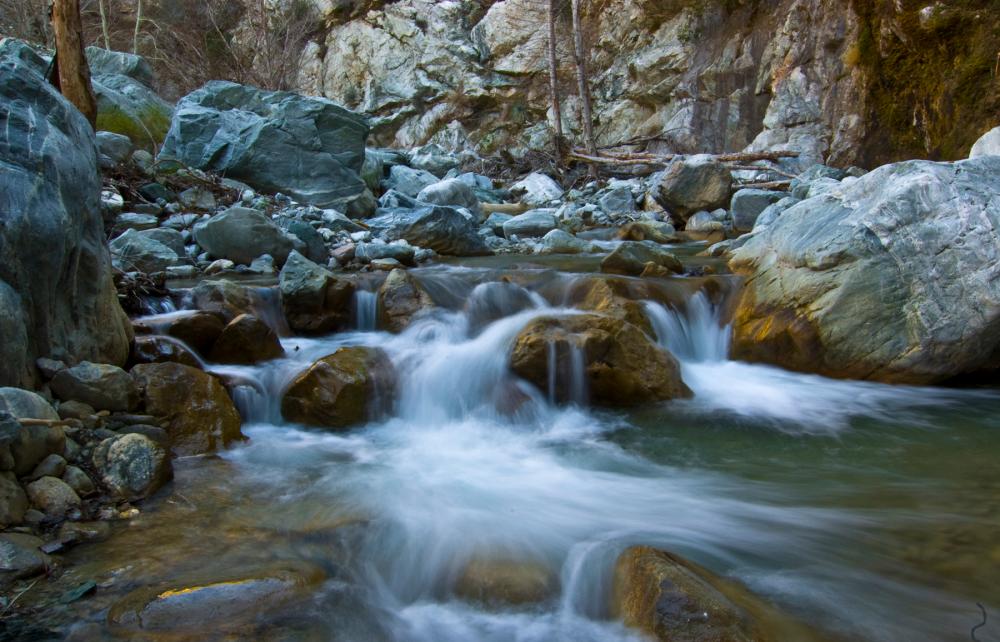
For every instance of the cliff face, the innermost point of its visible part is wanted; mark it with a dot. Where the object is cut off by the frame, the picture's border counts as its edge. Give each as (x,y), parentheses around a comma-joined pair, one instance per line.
(825,78)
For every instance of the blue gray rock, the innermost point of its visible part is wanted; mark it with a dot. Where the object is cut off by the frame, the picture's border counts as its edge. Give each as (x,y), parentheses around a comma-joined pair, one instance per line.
(408,181)
(747,205)
(308,148)
(537,190)
(692,185)
(987,145)
(532,223)
(57,298)
(241,234)
(451,191)
(134,251)
(443,229)
(117,147)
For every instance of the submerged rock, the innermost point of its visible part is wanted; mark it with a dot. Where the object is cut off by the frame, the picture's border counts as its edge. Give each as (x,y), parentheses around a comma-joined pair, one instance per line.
(340,390)
(891,277)
(400,298)
(202,417)
(499,583)
(20,556)
(313,298)
(620,365)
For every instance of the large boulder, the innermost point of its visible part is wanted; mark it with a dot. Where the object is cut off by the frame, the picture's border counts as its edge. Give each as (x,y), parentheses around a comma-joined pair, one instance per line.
(24,447)
(537,190)
(224,298)
(100,385)
(621,365)
(400,299)
(241,234)
(198,330)
(891,277)
(308,148)
(340,390)
(630,258)
(202,417)
(57,298)
(126,102)
(135,251)
(314,300)
(693,184)
(670,599)
(444,229)
(408,181)
(246,340)
(132,466)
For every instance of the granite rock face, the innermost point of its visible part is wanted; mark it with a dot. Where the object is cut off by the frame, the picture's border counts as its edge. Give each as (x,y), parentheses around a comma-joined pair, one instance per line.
(57,298)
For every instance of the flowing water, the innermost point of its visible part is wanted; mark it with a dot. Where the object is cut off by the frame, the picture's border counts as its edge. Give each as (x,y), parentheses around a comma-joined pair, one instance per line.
(869,511)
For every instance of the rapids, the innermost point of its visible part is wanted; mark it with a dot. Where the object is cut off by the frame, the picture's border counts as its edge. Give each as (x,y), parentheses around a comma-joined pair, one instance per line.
(869,511)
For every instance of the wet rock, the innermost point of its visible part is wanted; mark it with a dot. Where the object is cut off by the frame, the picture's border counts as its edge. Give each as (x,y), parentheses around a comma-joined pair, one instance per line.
(53,497)
(314,300)
(693,184)
(134,252)
(630,258)
(308,148)
(246,340)
(886,278)
(52,466)
(672,599)
(748,204)
(621,365)
(610,297)
(656,231)
(241,234)
(560,242)
(79,481)
(226,298)
(161,350)
(452,192)
(103,386)
(202,417)
(340,390)
(505,582)
(400,298)
(537,190)
(20,556)
(132,466)
(78,532)
(200,329)
(213,604)
(13,501)
(445,230)
(531,223)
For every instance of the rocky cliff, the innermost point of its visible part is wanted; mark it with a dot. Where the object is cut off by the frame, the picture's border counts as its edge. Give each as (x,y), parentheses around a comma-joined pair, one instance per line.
(859,81)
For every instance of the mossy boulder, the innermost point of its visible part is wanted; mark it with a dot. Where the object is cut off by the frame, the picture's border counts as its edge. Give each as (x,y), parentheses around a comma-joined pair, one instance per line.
(621,365)
(340,390)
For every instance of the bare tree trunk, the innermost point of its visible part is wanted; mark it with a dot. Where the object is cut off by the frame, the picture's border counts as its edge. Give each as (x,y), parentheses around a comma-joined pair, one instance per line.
(554,83)
(72,70)
(138,24)
(580,56)
(104,24)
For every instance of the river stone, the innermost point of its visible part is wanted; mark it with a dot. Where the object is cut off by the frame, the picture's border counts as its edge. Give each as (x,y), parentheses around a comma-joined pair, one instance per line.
(618,200)
(314,246)
(443,229)
(75,410)
(24,404)
(704,222)
(748,204)
(630,258)
(314,300)
(622,366)
(198,330)
(57,298)
(214,604)
(117,147)
(79,481)
(103,386)
(644,230)
(161,350)
(20,556)
(132,251)
(889,278)
(399,300)
(52,466)
(408,181)
(368,252)
(52,496)
(496,220)
(670,598)
(202,417)
(987,145)
(340,390)
(499,583)
(13,501)
(537,190)
(224,298)
(132,466)
(531,223)
(305,147)
(28,445)
(246,340)
(241,234)
(105,61)
(562,242)
(451,191)
(610,297)
(693,184)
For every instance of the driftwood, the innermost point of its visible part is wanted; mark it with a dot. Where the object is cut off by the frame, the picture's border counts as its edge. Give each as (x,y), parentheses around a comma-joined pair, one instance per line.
(777,186)
(504,208)
(652,159)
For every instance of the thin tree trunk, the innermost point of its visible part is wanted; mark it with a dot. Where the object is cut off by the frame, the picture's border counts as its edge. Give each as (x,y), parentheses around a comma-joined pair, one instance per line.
(554,83)
(71,63)
(138,24)
(580,56)
(104,24)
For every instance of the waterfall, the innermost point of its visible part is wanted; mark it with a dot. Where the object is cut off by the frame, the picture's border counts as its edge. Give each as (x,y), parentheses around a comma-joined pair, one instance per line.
(696,334)
(365,310)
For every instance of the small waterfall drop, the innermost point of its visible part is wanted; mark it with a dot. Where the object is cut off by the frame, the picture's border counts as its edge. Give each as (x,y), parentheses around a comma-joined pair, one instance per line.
(365,310)
(696,334)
